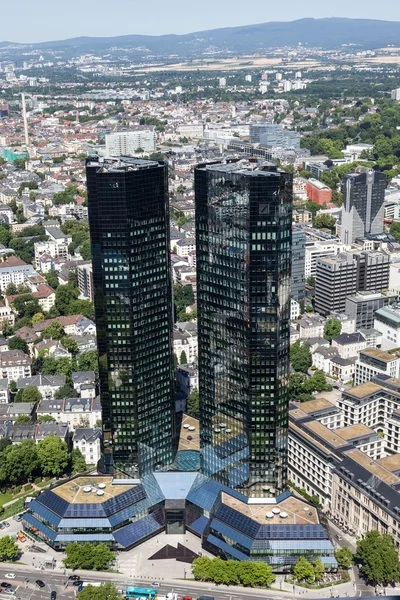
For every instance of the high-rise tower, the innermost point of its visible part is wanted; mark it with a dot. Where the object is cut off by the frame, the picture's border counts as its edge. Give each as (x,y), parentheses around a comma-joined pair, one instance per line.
(363,198)
(128,216)
(244,232)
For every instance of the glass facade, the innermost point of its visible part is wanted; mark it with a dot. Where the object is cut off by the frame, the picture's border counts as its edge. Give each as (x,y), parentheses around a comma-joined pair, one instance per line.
(128,217)
(298,282)
(244,234)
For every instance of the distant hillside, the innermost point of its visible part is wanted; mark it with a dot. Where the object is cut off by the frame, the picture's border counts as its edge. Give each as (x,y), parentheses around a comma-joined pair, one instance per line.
(326,33)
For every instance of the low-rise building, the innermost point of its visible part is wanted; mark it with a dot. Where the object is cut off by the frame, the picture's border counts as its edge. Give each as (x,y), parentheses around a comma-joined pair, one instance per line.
(9,413)
(14,364)
(88,441)
(46,384)
(82,379)
(349,344)
(372,362)
(312,326)
(342,368)
(387,321)
(318,192)
(187,378)
(77,412)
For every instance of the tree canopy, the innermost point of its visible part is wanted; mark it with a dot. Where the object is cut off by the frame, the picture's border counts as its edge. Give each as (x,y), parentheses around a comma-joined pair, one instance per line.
(106,591)
(332,328)
(233,572)
(8,548)
(88,556)
(300,356)
(53,455)
(377,554)
(28,394)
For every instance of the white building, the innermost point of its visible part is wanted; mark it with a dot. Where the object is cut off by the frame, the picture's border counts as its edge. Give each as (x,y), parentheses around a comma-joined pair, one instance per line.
(127,143)
(349,344)
(14,364)
(319,249)
(88,441)
(387,321)
(373,362)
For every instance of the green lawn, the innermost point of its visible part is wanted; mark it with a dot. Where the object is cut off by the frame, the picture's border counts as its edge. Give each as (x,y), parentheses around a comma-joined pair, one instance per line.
(7,497)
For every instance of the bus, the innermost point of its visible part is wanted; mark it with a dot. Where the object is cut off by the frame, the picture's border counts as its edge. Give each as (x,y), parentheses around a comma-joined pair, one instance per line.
(142,593)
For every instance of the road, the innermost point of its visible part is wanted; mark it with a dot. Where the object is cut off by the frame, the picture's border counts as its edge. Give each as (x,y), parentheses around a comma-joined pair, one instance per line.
(27,590)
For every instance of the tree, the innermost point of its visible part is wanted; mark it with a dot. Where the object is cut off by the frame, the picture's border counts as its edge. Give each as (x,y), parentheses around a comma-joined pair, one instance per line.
(54,331)
(317,383)
(84,307)
(45,419)
(303,571)
(17,343)
(78,464)
(379,559)
(202,568)
(183,359)
(5,236)
(52,279)
(344,557)
(53,455)
(85,250)
(65,294)
(311,281)
(8,548)
(332,328)
(70,344)
(26,305)
(23,420)
(193,404)
(319,569)
(324,222)
(21,461)
(300,356)
(19,163)
(87,556)
(66,391)
(28,394)
(88,361)
(37,318)
(106,591)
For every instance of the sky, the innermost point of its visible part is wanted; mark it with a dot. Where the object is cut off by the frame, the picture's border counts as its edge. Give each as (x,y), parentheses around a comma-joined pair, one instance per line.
(45,20)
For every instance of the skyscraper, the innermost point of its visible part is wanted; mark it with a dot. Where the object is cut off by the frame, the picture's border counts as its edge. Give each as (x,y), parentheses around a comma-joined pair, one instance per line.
(244,231)
(128,216)
(363,197)
(298,281)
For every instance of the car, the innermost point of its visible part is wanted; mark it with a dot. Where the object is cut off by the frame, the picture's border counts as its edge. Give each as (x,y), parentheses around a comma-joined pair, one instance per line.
(77,582)
(4,584)
(10,575)
(53,595)
(74,577)
(2,525)
(17,518)
(6,524)
(206,598)
(40,583)
(156,583)
(339,537)
(10,590)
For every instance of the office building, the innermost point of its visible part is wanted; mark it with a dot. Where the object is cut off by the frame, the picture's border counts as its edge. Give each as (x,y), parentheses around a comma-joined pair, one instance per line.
(244,229)
(129,228)
(273,136)
(362,306)
(344,275)
(396,94)
(363,198)
(318,192)
(387,322)
(372,362)
(129,143)
(298,281)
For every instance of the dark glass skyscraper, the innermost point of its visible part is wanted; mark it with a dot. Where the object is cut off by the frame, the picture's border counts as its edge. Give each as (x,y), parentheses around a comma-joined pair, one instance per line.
(128,216)
(244,232)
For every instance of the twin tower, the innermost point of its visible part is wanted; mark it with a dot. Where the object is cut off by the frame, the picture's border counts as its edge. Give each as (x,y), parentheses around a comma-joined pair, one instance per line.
(243,246)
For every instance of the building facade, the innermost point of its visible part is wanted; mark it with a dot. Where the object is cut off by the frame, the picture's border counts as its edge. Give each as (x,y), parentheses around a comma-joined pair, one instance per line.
(127,143)
(244,227)
(298,281)
(128,216)
(363,198)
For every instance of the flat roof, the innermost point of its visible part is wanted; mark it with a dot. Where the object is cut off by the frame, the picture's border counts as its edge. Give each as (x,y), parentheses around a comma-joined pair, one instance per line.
(378,354)
(297,413)
(354,431)
(74,491)
(184,434)
(391,463)
(365,389)
(330,437)
(315,405)
(299,512)
(373,466)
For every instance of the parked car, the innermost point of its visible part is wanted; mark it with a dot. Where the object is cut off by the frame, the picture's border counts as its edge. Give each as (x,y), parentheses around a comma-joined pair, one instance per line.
(10,590)
(4,584)
(339,537)
(77,582)
(10,575)
(156,583)
(6,524)
(53,595)
(74,577)
(17,518)
(40,583)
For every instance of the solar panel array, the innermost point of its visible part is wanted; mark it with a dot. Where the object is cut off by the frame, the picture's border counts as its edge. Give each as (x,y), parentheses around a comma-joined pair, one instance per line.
(294,532)
(226,548)
(237,520)
(134,532)
(124,500)
(199,525)
(43,528)
(44,513)
(85,511)
(54,502)
(236,536)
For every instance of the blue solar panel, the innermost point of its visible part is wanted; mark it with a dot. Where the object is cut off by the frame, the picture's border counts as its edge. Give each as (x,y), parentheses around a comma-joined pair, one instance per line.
(84,511)
(124,500)
(237,521)
(199,525)
(30,519)
(226,548)
(298,532)
(134,532)
(230,533)
(44,513)
(54,502)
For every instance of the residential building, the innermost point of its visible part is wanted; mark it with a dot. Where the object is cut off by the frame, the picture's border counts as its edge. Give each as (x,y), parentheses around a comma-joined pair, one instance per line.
(311,326)
(43,430)
(14,364)
(88,441)
(318,192)
(76,412)
(185,341)
(363,198)
(9,413)
(348,324)
(83,378)
(7,317)
(321,358)
(14,270)
(187,378)
(372,362)
(130,143)
(342,368)
(349,344)
(362,307)
(46,384)
(85,280)
(129,227)
(235,235)
(4,392)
